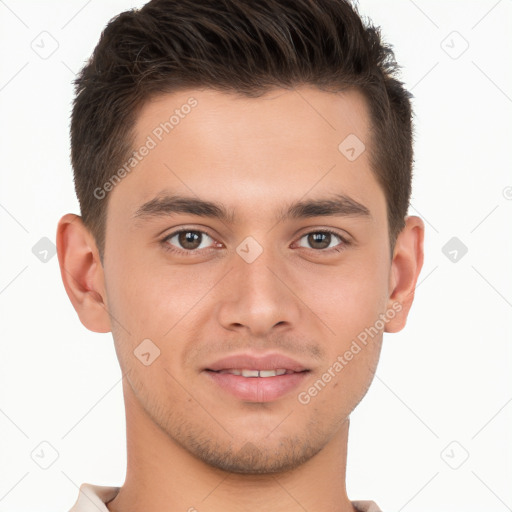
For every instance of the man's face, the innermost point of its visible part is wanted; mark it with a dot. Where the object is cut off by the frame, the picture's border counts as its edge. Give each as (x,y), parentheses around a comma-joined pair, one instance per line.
(256,283)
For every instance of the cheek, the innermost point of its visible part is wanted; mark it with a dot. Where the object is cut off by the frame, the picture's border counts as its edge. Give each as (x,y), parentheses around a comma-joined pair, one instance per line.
(147,294)
(346,298)
(337,389)
(339,385)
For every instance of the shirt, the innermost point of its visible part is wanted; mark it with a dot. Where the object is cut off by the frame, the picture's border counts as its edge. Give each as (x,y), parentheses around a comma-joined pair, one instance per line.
(92,498)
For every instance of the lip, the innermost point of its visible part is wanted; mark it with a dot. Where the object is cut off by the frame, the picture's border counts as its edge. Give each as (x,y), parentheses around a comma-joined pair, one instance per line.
(257,389)
(250,362)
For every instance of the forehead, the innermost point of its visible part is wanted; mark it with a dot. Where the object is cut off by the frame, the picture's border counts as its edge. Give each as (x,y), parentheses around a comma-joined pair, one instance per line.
(310,112)
(281,146)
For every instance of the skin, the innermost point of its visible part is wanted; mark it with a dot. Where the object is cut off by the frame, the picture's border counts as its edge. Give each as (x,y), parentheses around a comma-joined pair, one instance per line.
(192,446)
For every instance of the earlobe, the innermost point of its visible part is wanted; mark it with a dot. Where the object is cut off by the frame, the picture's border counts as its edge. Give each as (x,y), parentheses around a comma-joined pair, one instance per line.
(82,273)
(405,269)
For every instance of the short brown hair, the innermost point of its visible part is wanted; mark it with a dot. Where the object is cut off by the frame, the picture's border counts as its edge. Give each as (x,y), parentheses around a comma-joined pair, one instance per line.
(242,46)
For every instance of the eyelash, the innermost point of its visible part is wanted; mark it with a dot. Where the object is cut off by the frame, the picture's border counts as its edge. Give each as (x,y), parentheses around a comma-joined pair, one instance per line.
(183,252)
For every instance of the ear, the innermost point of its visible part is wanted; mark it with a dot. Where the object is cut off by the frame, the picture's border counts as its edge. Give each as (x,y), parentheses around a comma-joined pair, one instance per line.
(405,269)
(82,273)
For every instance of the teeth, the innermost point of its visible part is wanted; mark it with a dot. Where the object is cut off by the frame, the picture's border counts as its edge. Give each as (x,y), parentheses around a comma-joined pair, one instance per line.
(250,373)
(271,373)
(256,373)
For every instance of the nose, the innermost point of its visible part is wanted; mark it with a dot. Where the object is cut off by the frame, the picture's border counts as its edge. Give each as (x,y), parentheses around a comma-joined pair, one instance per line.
(258,296)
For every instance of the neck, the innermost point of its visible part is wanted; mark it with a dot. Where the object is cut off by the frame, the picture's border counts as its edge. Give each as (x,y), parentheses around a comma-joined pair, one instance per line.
(162,476)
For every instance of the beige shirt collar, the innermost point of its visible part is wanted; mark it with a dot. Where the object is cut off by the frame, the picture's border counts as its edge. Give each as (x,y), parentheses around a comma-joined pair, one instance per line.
(92,498)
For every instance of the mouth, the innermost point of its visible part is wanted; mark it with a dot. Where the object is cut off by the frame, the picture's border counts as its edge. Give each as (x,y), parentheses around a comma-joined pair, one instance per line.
(248,373)
(256,379)
(256,385)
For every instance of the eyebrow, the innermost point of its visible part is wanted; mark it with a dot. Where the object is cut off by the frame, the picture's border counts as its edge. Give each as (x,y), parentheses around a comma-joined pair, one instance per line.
(339,205)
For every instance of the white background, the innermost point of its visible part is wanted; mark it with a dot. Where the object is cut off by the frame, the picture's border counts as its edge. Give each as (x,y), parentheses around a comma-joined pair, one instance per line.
(442,391)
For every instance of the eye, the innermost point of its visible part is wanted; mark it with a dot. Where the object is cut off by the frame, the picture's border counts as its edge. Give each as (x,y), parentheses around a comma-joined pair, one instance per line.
(321,240)
(187,241)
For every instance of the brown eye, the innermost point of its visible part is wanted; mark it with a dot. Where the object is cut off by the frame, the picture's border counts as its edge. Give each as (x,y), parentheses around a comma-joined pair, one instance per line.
(322,240)
(187,240)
